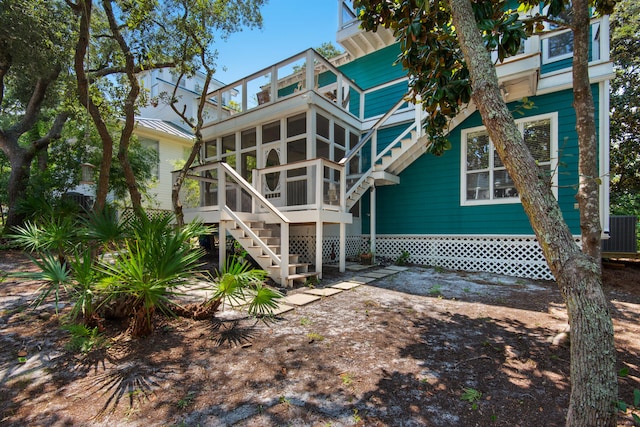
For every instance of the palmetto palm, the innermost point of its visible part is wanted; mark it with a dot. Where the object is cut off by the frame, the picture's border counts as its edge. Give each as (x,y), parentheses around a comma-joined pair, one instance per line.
(154,263)
(57,234)
(242,285)
(103,228)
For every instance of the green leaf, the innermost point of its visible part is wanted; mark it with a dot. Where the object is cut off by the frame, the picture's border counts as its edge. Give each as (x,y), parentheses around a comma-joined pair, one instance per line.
(622,406)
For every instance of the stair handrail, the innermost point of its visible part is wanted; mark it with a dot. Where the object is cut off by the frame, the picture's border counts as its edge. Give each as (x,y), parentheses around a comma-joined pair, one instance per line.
(373,129)
(254,192)
(392,144)
(256,239)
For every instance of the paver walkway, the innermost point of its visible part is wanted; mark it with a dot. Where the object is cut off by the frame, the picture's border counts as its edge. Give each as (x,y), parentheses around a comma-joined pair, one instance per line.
(366,274)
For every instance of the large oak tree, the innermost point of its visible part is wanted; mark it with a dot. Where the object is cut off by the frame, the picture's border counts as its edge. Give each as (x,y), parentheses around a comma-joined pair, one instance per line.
(34,57)
(118,39)
(446,50)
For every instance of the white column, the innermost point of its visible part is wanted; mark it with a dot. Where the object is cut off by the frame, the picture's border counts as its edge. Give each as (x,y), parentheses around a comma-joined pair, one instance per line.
(319,228)
(343,247)
(372,225)
(222,244)
(284,253)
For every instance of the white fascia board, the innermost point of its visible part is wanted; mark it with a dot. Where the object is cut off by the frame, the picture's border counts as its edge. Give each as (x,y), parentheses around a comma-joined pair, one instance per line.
(554,82)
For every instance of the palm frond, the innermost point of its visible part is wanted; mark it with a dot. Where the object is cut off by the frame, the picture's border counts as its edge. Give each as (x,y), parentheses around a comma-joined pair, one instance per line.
(264,302)
(104,227)
(55,275)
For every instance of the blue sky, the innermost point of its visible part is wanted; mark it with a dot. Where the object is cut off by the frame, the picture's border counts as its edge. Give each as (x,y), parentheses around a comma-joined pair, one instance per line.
(288,27)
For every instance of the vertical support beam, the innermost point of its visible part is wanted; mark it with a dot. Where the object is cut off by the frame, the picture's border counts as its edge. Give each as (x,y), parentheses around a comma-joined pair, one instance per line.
(605,42)
(218,108)
(372,224)
(604,143)
(284,253)
(274,87)
(318,177)
(245,105)
(319,232)
(222,243)
(222,227)
(417,108)
(310,71)
(343,247)
(255,181)
(343,187)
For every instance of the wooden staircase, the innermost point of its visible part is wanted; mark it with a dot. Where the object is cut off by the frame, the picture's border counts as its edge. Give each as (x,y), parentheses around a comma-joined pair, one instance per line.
(388,166)
(262,244)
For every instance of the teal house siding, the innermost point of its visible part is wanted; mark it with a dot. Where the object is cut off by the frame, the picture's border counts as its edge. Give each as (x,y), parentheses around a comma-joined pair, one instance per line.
(375,69)
(377,102)
(427,200)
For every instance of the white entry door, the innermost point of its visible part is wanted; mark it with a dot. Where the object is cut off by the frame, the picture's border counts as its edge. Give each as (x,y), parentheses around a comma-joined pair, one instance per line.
(273,183)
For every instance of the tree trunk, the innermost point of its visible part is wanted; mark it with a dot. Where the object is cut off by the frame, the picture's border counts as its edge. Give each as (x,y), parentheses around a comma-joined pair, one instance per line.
(20,161)
(132,186)
(177,185)
(129,110)
(593,375)
(588,189)
(102,189)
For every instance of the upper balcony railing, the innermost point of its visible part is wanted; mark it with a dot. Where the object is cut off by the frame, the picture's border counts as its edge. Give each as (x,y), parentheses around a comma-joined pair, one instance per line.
(348,16)
(285,79)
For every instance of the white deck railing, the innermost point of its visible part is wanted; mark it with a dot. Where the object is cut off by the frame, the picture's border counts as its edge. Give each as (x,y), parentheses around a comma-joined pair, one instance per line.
(284,79)
(315,184)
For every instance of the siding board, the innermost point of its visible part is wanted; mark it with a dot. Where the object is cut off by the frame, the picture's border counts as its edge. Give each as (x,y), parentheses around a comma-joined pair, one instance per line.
(427,200)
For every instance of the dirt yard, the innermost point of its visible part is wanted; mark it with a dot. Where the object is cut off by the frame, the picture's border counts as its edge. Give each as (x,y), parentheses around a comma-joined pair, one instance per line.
(421,347)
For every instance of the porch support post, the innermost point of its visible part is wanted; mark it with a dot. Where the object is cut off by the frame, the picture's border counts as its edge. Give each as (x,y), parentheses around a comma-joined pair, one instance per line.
(319,228)
(343,247)
(222,243)
(222,226)
(310,70)
(284,254)
(372,224)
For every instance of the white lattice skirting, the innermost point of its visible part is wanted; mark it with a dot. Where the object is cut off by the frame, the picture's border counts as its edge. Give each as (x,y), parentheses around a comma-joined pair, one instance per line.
(518,256)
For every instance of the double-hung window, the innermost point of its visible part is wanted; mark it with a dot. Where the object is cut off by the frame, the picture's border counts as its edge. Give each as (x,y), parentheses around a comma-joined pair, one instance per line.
(485,179)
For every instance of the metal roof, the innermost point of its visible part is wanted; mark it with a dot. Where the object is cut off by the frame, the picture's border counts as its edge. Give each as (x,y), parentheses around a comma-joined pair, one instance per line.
(164,127)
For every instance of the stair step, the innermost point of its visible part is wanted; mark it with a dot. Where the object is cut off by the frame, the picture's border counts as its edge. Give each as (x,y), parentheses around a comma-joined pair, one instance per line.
(274,248)
(293,268)
(299,277)
(293,258)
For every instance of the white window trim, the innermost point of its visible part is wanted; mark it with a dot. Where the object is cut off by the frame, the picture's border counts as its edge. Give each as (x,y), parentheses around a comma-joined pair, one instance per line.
(546,59)
(553,154)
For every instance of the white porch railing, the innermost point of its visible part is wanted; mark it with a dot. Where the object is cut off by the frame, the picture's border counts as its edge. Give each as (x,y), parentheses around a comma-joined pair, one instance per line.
(315,184)
(284,79)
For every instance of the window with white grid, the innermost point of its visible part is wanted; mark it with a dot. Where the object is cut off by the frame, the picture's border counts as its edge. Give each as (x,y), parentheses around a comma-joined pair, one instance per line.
(485,179)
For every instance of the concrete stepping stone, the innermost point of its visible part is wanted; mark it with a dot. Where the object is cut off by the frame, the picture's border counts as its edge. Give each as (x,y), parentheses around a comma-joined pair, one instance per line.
(345,286)
(396,268)
(300,299)
(375,274)
(388,271)
(324,292)
(362,279)
(282,308)
(357,267)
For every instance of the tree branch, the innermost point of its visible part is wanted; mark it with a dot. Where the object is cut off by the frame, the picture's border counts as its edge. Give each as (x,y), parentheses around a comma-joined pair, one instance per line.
(54,132)
(30,115)
(107,71)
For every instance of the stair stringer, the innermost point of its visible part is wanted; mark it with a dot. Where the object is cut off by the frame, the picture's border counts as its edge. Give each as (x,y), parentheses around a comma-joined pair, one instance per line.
(255,235)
